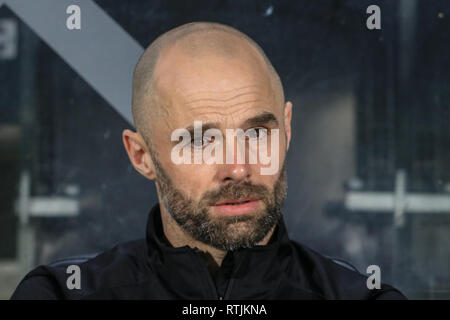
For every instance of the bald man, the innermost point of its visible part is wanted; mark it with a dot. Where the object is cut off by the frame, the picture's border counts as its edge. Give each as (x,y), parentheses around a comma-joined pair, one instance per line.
(207,100)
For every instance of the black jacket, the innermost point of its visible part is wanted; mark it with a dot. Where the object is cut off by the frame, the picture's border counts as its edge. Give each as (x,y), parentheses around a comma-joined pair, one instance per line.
(153,269)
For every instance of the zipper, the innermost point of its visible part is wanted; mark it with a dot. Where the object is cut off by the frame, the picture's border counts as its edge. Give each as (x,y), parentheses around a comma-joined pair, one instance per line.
(211,281)
(229,285)
(232,276)
(208,275)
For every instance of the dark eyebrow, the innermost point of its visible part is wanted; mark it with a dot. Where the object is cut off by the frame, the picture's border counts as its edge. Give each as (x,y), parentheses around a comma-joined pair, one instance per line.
(261,119)
(205,126)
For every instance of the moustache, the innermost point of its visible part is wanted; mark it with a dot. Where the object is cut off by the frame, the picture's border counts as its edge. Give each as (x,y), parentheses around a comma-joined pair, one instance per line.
(239,190)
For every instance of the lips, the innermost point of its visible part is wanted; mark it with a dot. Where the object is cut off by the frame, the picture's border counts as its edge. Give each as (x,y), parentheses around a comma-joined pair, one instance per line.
(237,206)
(236,201)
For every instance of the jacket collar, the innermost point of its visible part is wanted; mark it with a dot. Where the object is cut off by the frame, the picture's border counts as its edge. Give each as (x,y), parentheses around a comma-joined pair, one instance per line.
(245,273)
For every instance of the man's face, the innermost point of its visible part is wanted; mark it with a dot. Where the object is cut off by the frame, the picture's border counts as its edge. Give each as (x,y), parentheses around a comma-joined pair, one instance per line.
(226,205)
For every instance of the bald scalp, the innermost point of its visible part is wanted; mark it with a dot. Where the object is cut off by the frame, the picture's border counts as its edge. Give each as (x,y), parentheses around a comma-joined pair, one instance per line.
(196,40)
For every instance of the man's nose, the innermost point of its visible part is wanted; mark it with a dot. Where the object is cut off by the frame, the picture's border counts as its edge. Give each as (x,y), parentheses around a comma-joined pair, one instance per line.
(233,172)
(235,167)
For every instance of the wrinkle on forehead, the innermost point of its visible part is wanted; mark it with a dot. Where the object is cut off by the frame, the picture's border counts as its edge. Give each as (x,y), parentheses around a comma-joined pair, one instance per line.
(206,89)
(218,107)
(229,103)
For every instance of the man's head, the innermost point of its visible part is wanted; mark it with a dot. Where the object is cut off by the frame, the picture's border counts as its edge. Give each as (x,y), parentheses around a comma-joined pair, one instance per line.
(215,74)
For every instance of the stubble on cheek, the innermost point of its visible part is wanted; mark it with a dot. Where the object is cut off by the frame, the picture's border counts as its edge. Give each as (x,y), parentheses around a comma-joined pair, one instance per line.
(223,232)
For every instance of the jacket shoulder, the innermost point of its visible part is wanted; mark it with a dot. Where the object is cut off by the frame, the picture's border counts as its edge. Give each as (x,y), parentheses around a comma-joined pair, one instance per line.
(336,278)
(51,281)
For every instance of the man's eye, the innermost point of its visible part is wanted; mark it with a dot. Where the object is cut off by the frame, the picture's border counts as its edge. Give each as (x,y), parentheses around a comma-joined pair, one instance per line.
(256,133)
(201,142)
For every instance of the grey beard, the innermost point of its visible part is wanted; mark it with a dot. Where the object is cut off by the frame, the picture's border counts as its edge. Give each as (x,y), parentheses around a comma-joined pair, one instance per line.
(223,232)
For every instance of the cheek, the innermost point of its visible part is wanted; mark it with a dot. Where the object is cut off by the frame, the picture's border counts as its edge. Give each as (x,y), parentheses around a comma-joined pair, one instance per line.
(282,141)
(276,153)
(282,149)
(269,181)
(193,180)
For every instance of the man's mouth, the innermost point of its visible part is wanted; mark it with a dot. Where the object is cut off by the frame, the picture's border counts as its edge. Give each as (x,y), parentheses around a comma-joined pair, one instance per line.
(237,206)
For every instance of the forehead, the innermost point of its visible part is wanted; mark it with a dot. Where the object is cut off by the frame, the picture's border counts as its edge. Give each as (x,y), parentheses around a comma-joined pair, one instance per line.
(213,88)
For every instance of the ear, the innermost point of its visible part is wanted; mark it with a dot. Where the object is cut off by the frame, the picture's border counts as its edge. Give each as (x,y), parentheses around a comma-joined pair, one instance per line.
(138,153)
(287,122)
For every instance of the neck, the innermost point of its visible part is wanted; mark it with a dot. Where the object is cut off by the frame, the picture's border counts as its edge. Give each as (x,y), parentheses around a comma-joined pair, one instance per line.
(179,238)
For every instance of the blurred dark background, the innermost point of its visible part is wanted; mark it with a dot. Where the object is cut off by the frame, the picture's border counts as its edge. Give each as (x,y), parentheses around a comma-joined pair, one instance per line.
(369,163)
